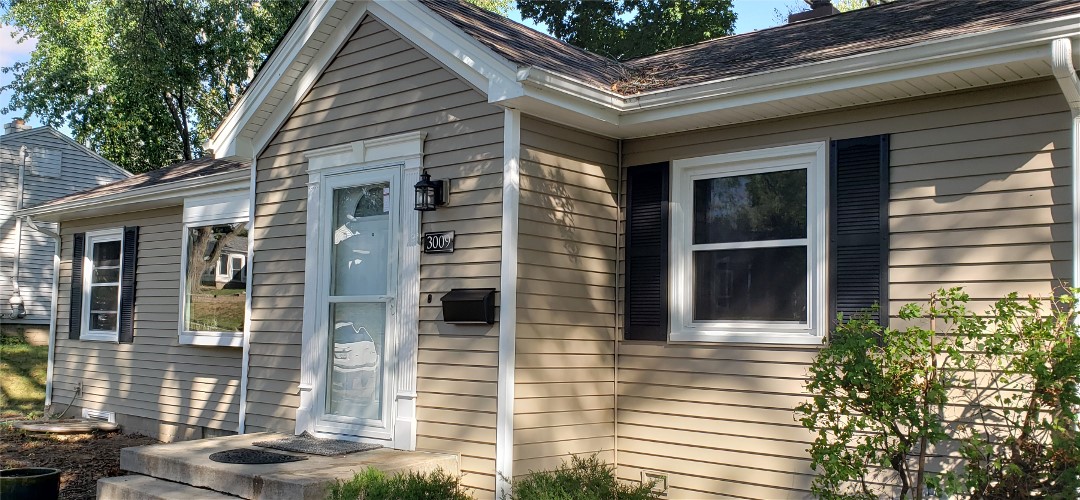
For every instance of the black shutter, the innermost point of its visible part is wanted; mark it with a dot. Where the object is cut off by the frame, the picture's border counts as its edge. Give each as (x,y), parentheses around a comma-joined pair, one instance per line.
(859,227)
(127,284)
(647,252)
(78,250)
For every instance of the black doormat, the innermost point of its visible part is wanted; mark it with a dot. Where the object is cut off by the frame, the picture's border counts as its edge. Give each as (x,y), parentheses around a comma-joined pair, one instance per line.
(252,457)
(306,443)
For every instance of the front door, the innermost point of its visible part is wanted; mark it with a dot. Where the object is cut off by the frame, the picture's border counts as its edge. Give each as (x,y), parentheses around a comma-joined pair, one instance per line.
(358,321)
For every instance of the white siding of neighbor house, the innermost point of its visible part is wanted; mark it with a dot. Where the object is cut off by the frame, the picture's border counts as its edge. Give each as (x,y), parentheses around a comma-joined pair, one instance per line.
(183,390)
(380,85)
(80,170)
(565,363)
(979,197)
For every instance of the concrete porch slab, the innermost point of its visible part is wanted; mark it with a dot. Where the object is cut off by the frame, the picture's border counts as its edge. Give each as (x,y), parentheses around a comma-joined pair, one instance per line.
(188,462)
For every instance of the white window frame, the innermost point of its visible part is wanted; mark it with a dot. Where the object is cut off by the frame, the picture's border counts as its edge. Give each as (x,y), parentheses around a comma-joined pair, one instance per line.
(224,208)
(813,157)
(92,237)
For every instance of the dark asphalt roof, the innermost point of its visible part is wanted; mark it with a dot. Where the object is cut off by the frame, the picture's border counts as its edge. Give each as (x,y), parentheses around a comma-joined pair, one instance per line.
(882,27)
(176,172)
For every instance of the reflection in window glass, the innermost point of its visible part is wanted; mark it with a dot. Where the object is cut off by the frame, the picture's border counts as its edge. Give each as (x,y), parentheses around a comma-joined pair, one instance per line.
(356,349)
(755,207)
(104,304)
(749,247)
(759,284)
(215,294)
(361,240)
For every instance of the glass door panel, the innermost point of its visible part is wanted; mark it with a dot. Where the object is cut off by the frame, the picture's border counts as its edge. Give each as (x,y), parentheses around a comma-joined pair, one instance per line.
(361,300)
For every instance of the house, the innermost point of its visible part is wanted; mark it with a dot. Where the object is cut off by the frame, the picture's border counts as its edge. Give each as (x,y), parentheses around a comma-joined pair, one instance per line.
(667,238)
(37,165)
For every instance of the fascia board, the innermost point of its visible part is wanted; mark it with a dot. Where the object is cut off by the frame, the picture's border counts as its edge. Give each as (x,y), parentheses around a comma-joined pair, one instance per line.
(958,50)
(462,54)
(935,57)
(273,69)
(152,196)
(296,92)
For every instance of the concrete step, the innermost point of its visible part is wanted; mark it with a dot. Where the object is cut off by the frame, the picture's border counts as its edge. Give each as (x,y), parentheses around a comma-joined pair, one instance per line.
(149,488)
(188,462)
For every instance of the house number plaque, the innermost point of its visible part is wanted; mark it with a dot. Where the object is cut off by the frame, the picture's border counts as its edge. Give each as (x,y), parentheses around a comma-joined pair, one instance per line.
(439,242)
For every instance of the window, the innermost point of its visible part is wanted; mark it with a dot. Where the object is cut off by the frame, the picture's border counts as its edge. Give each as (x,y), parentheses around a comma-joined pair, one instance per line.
(102,271)
(748,246)
(214,278)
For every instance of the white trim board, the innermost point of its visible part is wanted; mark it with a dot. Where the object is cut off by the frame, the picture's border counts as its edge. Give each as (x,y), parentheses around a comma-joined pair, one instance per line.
(325,167)
(508,285)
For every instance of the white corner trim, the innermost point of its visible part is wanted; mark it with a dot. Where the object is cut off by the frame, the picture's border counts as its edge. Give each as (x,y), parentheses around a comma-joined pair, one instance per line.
(392,147)
(508,273)
(245,343)
(1061,58)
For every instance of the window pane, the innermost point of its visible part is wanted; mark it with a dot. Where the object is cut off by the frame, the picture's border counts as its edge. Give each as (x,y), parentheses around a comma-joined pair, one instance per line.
(105,321)
(107,253)
(106,275)
(104,298)
(214,299)
(357,344)
(361,240)
(755,207)
(758,284)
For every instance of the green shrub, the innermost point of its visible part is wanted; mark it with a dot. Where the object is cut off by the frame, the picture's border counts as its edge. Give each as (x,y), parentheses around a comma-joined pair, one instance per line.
(582,479)
(1007,377)
(373,484)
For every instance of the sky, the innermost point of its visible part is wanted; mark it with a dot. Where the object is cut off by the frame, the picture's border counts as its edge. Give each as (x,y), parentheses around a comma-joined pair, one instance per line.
(752,15)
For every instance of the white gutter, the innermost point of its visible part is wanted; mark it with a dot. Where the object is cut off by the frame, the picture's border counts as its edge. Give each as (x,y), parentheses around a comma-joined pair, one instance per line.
(508,284)
(1061,58)
(897,64)
(155,195)
(53,307)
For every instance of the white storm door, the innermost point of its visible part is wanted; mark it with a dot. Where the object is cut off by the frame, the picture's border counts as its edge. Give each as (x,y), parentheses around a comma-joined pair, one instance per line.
(358,316)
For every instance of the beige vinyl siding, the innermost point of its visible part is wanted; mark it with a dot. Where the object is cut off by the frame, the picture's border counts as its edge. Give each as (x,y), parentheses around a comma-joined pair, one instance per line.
(565,362)
(379,85)
(979,197)
(154,377)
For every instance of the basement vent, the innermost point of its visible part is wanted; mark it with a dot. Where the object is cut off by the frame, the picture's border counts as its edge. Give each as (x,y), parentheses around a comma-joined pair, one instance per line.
(100,415)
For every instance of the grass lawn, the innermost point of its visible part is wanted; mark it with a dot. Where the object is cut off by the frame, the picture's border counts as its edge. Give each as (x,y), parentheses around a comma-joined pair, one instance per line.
(22,379)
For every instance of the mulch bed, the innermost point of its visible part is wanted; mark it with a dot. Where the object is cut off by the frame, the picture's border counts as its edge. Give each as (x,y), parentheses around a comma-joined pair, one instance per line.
(83,458)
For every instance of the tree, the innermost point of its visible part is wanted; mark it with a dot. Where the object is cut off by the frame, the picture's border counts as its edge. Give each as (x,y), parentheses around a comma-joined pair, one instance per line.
(143,82)
(841,5)
(626,29)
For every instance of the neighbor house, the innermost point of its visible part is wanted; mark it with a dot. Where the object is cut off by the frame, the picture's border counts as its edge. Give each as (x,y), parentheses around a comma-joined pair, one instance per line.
(37,165)
(667,239)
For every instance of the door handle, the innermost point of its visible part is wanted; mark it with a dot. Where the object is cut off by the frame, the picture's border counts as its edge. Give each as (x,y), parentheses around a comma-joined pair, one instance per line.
(393,306)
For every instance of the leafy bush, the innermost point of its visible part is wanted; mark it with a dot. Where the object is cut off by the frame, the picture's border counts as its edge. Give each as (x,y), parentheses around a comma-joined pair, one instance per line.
(1008,379)
(373,484)
(582,479)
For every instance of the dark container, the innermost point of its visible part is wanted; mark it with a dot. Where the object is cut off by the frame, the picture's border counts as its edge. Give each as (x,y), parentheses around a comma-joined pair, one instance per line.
(469,306)
(30,483)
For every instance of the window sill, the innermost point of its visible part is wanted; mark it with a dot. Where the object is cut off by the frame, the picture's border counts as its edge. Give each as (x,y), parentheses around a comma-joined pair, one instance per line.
(231,339)
(746,337)
(113,338)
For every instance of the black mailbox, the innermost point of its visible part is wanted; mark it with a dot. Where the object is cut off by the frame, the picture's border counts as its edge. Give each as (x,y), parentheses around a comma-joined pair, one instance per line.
(469,306)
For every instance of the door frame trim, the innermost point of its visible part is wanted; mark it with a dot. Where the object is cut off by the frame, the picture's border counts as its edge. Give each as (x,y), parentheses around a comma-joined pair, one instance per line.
(406,151)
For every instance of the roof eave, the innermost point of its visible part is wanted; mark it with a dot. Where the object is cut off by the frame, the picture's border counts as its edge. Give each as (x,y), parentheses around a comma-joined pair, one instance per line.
(632,116)
(139,199)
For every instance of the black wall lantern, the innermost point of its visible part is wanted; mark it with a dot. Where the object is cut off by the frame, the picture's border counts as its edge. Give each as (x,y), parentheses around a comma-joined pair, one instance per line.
(429,193)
